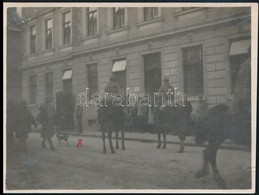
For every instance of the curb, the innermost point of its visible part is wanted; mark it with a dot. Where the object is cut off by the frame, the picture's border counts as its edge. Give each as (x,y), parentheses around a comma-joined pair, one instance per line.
(223,146)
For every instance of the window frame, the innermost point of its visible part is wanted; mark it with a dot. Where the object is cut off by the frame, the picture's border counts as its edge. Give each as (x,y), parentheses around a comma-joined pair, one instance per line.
(95,24)
(64,12)
(48,46)
(121,25)
(191,65)
(35,39)
(152,16)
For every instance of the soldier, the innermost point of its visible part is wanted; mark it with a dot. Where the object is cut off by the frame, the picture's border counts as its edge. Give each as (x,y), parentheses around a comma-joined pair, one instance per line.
(164,90)
(184,121)
(48,121)
(25,120)
(79,113)
(112,86)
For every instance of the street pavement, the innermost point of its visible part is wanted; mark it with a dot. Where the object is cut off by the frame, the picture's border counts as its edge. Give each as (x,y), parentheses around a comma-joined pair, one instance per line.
(140,166)
(152,138)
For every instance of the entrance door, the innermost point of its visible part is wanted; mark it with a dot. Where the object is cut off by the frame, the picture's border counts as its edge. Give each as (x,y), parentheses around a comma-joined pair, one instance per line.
(152,68)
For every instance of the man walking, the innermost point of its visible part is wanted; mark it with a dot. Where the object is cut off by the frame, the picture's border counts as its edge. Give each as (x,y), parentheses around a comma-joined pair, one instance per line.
(48,121)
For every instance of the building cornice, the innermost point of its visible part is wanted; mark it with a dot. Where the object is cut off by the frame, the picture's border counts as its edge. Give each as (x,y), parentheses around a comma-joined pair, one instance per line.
(126,43)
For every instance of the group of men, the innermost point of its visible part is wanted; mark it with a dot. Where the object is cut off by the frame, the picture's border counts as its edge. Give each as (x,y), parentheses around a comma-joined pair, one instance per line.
(20,119)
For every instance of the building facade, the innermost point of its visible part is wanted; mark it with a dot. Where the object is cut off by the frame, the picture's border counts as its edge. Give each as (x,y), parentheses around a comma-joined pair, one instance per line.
(14,57)
(198,48)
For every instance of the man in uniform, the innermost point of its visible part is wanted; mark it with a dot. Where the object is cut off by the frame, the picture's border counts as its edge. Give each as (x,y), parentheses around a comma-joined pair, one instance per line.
(164,91)
(48,121)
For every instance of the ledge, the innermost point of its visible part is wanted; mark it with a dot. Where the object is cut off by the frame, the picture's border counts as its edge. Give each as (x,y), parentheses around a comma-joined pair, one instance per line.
(32,55)
(64,46)
(90,37)
(179,13)
(194,97)
(158,19)
(124,28)
(48,51)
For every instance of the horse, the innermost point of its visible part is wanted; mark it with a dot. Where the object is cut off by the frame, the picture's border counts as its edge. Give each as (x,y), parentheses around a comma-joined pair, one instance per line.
(111,118)
(172,118)
(224,121)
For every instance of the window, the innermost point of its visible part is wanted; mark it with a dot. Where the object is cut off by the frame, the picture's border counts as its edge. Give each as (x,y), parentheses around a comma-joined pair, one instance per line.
(193,70)
(67,28)
(48,34)
(92,75)
(119,70)
(118,17)
(150,13)
(237,55)
(67,80)
(49,84)
(152,73)
(33,39)
(32,89)
(91,21)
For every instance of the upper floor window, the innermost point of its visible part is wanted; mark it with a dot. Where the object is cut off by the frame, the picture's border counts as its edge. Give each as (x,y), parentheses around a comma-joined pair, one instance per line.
(193,70)
(91,21)
(66,27)
(33,39)
(150,13)
(118,17)
(48,35)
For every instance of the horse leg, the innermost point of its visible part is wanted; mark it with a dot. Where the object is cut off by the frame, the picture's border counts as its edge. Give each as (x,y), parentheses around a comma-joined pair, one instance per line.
(205,166)
(212,160)
(164,144)
(104,146)
(181,138)
(159,139)
(110,141)
(117,142)
(122,139)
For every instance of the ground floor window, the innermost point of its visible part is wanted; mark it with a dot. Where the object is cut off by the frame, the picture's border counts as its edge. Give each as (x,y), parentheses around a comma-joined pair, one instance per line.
(67,80)
(92,77)
(193,70)
(152,72)
(119,70)
(32,89)
(237,55)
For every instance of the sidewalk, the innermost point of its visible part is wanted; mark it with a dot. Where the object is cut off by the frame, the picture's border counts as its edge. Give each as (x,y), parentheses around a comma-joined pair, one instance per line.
(152,138)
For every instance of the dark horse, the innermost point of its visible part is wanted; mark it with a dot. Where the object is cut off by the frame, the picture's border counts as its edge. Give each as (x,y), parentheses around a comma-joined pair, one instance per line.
(227,122)
(111,118)
(172,118)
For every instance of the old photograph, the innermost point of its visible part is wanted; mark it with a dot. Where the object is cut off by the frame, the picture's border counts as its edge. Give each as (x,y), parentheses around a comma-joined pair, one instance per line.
(130,97)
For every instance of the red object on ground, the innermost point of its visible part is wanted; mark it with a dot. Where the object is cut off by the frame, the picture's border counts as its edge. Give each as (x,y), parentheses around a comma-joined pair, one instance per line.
(79,143)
